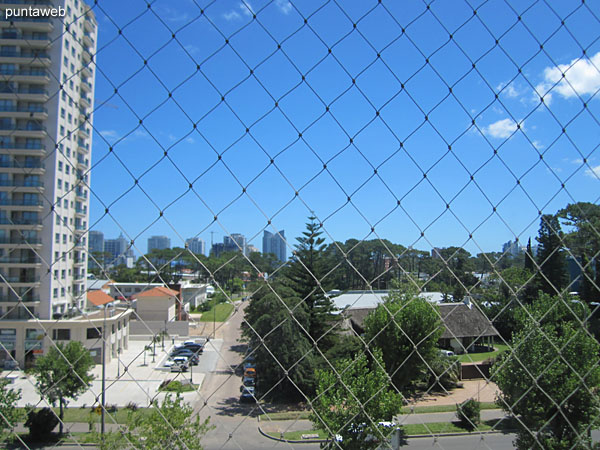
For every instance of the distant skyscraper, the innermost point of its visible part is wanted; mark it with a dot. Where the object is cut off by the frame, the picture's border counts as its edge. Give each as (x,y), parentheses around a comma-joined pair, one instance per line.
(96,241)
(158,243)
(235,242)
(120,252)
(511,248)
(195,245)
(275,243)
(217,249)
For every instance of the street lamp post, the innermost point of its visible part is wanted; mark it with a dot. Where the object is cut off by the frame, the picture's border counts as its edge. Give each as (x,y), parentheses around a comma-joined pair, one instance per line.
(102,422)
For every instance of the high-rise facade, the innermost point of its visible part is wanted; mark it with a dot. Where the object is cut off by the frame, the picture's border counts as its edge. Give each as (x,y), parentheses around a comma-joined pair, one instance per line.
(158,243)
(95,241)
(195,245)
(119,252)
(47,80)
(275,243)
(235,242)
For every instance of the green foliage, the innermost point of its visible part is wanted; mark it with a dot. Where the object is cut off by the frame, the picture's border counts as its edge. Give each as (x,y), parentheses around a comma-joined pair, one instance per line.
(468,414)
(551,377)
(63,373)
(306,274)
(353,404)
(444,373)
(552,276)
(41,423)
(278,333)
(10,415)
(171,425)
(406,328)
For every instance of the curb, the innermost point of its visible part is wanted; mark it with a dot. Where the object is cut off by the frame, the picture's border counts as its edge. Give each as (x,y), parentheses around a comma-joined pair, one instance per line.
(410,436)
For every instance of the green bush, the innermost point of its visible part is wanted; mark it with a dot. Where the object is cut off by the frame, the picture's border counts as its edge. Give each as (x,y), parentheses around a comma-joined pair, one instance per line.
(469,414)
(41,423)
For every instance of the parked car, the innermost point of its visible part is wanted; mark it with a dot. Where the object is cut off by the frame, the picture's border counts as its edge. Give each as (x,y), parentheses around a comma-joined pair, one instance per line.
(250,372)
(193,357)
(180,364)
(11,364)
(446,353)
(249,381)
(247,394)
(196,348)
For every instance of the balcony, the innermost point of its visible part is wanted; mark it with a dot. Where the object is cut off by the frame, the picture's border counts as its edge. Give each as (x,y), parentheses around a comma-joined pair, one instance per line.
(22,149)
(86,86)
(88,39)
(84,132)
(17,38)
(81,194)
(25,57)
(25,94)
(21,183)
(83,146)
(22,280)
(21,202)
(43,24)
(20,221)
(82,162)
(86,71)
(20,241)
(26,75)
(85,101)
(14,299)
(81,211)
(20,112)
(18,261)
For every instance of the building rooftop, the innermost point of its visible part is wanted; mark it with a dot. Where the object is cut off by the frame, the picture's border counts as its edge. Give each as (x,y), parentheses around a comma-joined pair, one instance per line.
(99,298)
(160,291)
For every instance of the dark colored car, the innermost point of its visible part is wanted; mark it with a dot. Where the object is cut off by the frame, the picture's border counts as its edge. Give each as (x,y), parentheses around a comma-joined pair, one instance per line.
(196,348)
(249,381)
(247,394)
(193,357)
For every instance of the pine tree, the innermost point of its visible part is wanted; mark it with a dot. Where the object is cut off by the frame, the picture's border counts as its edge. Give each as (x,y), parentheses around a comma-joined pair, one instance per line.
(552,276)
(307,276)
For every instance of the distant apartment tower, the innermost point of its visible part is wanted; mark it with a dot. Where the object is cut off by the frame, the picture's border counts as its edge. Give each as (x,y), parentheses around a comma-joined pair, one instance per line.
(436,253)
(235,242)
(120,252)
(96,241)
(512,248)
(47,78)
(158,243)
(275,243)
(195,245)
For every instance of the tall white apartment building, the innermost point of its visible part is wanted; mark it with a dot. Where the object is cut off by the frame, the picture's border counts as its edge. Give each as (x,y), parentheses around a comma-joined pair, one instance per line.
(46,102)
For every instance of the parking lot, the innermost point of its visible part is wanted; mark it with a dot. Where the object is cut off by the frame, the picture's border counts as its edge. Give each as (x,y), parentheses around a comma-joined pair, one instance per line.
(132,378)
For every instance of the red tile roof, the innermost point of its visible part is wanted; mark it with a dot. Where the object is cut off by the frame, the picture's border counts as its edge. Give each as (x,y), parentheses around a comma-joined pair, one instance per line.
(99,298)
(160,291)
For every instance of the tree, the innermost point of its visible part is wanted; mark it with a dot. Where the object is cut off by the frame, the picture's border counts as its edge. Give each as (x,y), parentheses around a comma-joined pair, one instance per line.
(63,374)
(307,276)
(551,377)
(283,352)
(9,414)
(352,400)
(406,328)
(170,425)
(552,276)
(584,243)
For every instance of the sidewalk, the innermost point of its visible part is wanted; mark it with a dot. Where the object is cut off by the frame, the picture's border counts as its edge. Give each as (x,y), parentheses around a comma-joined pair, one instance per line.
(413,419)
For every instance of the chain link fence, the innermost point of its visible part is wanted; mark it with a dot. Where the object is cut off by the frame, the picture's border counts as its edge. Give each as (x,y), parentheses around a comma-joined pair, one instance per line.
(417,188)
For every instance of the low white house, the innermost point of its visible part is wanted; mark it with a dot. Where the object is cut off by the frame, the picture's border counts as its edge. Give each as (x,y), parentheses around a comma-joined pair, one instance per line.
(157,304)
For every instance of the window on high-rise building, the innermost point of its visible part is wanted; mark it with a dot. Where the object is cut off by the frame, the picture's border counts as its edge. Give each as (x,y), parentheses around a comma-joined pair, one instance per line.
(63,274)
(57,238)
(55,292)
(62,112)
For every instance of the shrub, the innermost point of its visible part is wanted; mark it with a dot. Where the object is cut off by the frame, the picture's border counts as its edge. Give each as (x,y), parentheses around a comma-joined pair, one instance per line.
(111,408)
(41,423)
(132,406)
(469,414)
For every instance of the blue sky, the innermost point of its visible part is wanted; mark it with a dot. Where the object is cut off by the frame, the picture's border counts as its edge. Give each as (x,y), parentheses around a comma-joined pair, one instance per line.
(361,112)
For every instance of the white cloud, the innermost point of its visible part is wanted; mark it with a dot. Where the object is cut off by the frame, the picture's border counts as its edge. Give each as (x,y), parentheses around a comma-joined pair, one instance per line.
(108,134)
(246,8)
(538,145)
(284,6)
(593,171)
(190,140)
(232,15)
(192,49)
(510,91)
(140,133)
(581,77)
(502,129)
(172,15)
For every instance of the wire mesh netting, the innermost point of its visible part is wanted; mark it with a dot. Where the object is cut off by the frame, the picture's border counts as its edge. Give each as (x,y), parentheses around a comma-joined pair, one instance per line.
(404,197)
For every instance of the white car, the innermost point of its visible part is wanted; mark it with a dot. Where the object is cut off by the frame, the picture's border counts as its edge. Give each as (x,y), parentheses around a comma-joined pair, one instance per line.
(177,360)
(446,353)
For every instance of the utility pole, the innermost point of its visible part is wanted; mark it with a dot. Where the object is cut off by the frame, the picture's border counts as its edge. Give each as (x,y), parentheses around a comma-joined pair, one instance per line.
(102,422)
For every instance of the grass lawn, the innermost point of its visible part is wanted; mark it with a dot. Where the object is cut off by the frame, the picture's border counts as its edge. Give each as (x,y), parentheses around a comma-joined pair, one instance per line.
(219,313)
(176,386)
(416,429)
(286,415)
(83,415)
(442,408)
(297,435)
(477,357)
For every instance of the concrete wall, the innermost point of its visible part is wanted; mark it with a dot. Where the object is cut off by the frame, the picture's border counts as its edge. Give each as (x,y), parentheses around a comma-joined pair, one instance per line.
(156,308)
(147,328)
